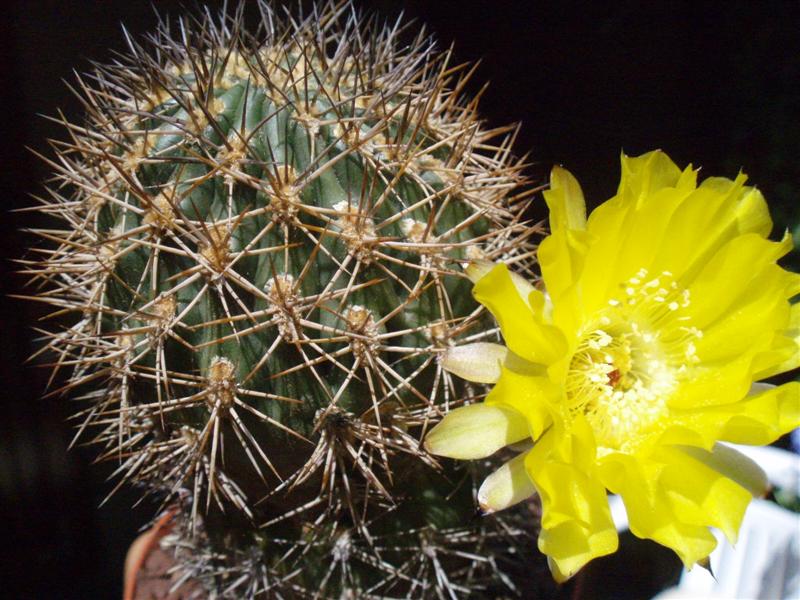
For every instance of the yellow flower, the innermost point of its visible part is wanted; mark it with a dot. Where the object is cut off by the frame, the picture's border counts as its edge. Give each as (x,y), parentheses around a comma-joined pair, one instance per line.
(659,313)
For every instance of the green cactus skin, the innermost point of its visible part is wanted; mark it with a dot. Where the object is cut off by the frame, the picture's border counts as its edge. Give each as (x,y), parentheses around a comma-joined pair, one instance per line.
(261,247)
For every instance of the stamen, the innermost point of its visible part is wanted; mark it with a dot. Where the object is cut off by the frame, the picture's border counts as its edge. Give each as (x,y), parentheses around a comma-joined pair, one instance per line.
(631,358)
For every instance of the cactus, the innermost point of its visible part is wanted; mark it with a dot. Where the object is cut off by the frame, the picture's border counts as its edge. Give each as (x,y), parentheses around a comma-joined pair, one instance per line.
(259,259)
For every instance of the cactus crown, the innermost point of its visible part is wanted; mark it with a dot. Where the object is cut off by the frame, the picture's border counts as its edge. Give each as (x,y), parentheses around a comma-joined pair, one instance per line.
(260,248)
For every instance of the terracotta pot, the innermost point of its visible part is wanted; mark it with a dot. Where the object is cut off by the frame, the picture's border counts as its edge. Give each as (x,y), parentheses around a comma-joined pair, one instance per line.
(147,567)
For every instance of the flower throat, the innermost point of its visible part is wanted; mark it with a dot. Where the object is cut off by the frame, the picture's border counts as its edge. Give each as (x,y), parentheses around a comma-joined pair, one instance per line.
(629,360)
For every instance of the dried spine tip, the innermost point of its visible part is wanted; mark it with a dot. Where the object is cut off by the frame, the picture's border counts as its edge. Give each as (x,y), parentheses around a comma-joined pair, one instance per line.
(136,154)
(281,290)
(260,230)
(283,299)
(414,231)
(474,253)
(162,310)
(221,383)
(361,323)
(439,334)
(159,212)
(284,197)
(357,229)
(214,249)
(106,252)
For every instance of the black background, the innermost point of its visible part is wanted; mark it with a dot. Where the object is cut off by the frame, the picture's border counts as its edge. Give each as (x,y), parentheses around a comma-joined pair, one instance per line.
(716,84)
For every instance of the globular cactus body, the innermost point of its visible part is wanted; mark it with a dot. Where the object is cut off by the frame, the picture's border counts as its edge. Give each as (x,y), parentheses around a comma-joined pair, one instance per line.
(263,248)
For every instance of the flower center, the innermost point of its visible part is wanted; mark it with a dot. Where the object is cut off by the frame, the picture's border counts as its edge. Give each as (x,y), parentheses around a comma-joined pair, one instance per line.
(630,358)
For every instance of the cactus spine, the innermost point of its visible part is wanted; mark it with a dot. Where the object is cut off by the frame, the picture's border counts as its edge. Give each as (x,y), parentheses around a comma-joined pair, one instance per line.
(260,249)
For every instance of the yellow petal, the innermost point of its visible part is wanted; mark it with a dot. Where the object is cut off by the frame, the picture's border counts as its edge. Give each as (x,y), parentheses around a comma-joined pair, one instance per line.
(718,211)
(652,509)
(701,495)
(734,465)
(529,394)
(713,384)
(479,362)
(478,269)
(507,486)
(576,519)
(561,254)
(522,325)
(786,348)
(725,282)
(755,420)
(645,175)
(751,213)
(476,431)
(758,322)
(760,419)
(607,228)
(565,201)
(626,232)
(614,261)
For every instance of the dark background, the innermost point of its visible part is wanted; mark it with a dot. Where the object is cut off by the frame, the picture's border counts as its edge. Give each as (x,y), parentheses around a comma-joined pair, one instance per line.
(716,84)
